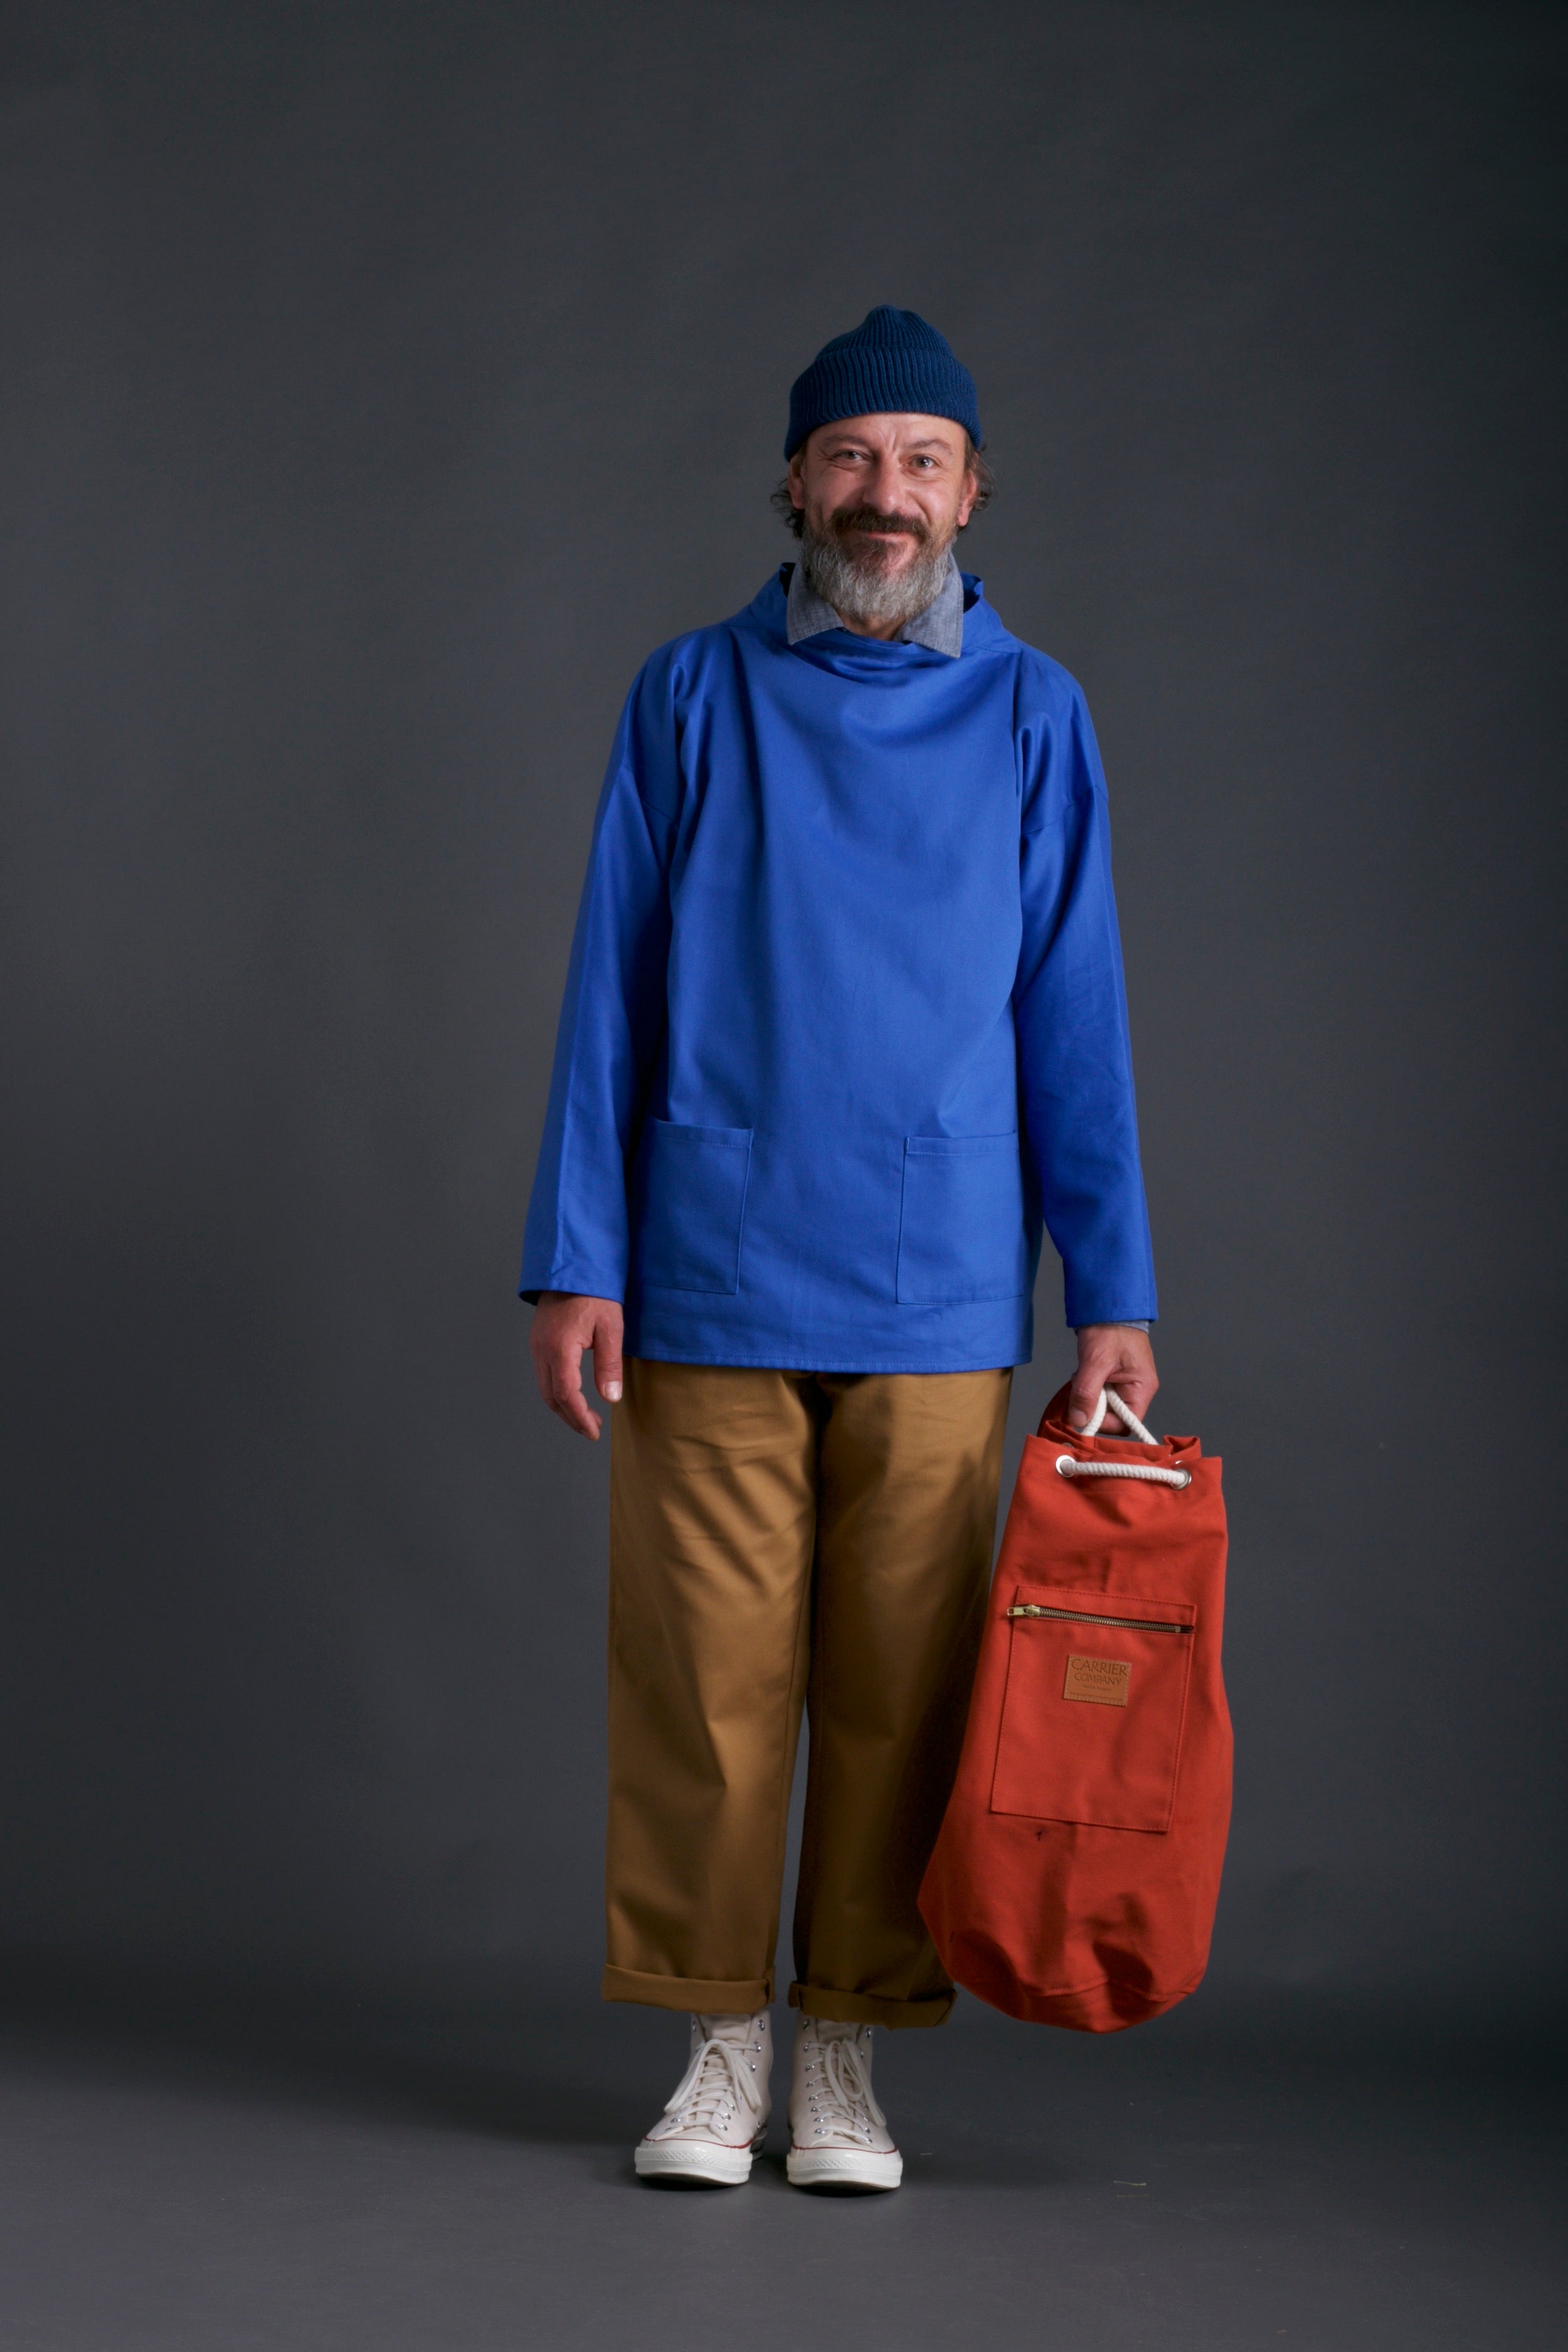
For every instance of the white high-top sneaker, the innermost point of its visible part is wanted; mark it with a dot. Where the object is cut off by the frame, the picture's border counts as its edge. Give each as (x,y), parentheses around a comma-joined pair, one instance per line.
(838,2135)
(716,2118)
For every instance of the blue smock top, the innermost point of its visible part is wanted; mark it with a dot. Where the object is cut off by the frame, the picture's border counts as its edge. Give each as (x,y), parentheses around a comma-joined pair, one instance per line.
(844,1015)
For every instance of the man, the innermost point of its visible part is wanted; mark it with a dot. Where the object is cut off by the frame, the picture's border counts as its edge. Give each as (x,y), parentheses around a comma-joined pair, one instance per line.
(844,1023)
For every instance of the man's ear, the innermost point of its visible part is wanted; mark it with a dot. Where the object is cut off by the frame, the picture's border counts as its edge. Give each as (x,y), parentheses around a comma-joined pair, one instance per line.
(796,481)
(966,503)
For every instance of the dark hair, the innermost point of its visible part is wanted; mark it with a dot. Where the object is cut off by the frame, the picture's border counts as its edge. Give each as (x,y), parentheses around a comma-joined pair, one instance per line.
(784,507)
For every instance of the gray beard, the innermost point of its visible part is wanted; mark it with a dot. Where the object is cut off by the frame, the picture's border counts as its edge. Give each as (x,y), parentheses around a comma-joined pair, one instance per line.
(861,587)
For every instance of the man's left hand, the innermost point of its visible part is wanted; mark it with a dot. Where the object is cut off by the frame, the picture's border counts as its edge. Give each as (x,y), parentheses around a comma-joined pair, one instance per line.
(1112,1356)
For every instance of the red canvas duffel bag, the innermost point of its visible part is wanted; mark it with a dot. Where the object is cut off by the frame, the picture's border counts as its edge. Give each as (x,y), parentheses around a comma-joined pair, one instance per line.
(1076,1875)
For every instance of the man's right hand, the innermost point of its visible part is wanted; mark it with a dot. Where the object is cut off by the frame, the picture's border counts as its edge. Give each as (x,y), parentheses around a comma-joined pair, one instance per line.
(565,1326)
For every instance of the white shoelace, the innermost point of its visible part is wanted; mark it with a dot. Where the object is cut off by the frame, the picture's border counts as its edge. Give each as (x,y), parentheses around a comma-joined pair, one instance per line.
(713,2087)
(842,2103)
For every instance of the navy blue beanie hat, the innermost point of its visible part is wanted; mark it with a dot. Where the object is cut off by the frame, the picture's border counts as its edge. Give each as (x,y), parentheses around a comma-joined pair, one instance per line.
(892,363)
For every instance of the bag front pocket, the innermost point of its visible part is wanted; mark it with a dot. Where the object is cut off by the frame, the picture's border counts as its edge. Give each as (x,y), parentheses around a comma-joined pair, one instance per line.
(1093,1714)
(690,1196)
(961,1232)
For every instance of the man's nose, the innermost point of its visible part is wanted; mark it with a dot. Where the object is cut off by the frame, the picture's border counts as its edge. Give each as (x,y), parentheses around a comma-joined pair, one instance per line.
(885,488)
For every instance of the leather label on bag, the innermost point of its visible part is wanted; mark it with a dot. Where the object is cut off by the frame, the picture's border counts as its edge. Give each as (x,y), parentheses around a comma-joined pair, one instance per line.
(1104,1681)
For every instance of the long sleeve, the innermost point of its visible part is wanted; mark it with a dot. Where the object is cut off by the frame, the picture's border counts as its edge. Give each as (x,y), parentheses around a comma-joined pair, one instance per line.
(612,1018)
(1075,1063)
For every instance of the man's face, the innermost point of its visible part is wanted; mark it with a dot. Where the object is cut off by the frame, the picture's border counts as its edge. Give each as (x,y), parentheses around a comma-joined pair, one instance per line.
(888,490)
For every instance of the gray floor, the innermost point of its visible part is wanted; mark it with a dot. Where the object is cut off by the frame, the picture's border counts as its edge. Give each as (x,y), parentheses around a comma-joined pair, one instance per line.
(176,2189)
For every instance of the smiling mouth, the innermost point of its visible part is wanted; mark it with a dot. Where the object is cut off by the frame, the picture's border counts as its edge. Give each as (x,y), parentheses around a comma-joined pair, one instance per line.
(882,529)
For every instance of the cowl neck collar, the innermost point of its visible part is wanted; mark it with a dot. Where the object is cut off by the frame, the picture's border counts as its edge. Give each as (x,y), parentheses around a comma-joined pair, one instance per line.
(848,656)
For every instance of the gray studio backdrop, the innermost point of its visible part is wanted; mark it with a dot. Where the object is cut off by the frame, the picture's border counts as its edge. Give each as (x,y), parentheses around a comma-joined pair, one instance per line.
(381,384)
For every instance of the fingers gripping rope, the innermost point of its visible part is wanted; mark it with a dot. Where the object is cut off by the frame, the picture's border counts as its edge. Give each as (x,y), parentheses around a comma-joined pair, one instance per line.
(1069,1466)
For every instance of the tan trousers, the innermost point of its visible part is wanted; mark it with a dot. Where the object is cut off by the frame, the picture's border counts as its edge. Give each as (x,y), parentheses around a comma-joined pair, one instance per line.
(778,1537)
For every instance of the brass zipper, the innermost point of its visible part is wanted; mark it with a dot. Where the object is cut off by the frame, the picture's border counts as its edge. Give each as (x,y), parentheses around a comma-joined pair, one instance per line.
(1084,1617)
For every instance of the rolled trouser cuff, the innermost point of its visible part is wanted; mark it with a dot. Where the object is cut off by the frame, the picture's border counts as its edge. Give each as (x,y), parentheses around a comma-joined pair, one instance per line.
(869,2008)
(732,1995)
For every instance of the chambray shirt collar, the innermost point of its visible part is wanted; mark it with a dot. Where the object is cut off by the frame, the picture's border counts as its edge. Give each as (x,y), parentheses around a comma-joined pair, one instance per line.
(940,629)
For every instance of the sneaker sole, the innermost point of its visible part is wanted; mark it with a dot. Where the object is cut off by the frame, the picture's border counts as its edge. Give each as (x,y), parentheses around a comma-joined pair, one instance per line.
(843,2167)
(704,2161)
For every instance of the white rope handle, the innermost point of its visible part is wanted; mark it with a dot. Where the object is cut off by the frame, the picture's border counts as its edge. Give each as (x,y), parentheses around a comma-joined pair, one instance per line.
(1069,1466)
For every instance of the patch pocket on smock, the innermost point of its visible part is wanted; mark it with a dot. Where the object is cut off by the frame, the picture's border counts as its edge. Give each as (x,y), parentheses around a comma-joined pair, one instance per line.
(961,1234)
(1095,1704)
(691,1204)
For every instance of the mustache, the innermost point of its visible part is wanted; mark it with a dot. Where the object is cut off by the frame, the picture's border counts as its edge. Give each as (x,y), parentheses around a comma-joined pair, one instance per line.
(853,519)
